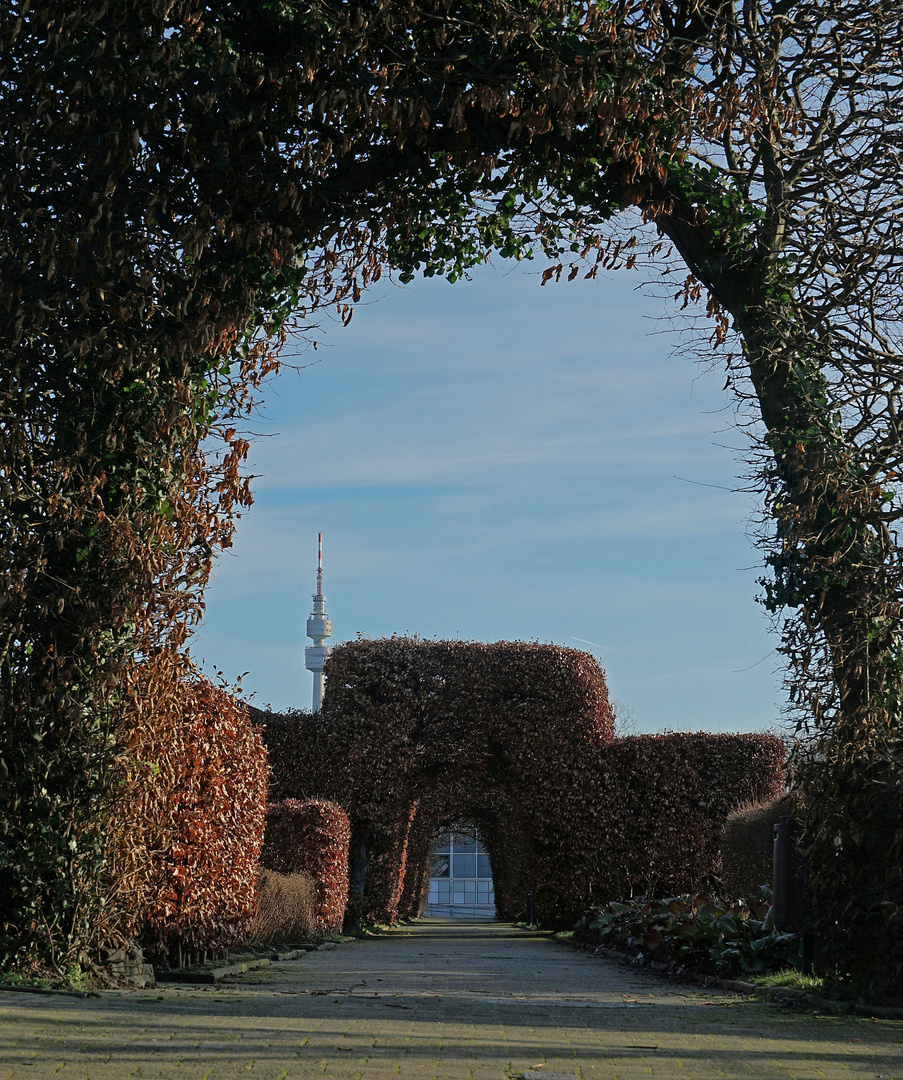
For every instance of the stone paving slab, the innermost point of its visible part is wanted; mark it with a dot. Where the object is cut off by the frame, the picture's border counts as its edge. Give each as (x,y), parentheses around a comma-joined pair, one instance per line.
(439,1000)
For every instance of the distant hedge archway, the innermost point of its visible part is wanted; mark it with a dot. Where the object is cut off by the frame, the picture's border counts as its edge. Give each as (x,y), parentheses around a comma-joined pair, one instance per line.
(519,739)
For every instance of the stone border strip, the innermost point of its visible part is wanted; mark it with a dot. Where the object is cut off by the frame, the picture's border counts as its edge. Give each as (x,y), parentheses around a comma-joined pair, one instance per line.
(48,990)
(210,975)
(240,963)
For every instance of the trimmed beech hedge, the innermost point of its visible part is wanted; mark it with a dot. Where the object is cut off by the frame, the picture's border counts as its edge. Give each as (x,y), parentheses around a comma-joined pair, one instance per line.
(662,802)
(311,837)
(387,869)
(519,740)
(747,845)
(190,820)
(496,816)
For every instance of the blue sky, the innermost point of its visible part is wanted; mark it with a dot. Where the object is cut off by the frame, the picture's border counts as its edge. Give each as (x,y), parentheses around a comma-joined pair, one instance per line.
(498,460)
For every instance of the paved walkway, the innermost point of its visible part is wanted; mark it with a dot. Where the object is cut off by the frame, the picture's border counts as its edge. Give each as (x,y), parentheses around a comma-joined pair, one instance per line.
(441,999)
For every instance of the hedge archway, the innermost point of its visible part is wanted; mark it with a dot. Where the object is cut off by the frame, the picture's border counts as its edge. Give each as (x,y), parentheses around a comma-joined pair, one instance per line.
(518,738)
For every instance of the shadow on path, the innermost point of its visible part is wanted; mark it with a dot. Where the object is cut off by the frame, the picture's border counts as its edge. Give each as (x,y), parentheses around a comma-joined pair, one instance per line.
(438,999)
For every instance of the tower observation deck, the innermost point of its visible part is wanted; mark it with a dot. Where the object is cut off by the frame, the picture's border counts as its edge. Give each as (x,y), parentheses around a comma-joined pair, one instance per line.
(319,630)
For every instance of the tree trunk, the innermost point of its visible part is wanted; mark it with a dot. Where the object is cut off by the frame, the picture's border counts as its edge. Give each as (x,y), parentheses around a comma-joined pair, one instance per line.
(836,567)
(358,868)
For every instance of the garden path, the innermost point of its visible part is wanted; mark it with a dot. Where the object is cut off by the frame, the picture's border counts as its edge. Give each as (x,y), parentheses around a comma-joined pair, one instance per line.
(438,999)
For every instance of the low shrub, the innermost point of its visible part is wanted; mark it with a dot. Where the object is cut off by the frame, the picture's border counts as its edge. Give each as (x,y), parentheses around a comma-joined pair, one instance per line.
(747,845)
(311,837)
(702,932)
(286,909)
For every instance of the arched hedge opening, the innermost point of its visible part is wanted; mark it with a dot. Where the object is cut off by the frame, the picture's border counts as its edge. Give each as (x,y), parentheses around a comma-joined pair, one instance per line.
(519,740)
(492,811)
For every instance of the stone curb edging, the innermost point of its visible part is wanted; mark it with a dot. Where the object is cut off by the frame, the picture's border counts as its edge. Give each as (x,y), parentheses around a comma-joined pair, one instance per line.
(211,975)
(48,990)
(180,975)
(240,964)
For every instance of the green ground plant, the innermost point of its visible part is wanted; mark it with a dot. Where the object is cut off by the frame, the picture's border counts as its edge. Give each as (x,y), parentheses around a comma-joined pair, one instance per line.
(792,978)
(17,979)
(732,937)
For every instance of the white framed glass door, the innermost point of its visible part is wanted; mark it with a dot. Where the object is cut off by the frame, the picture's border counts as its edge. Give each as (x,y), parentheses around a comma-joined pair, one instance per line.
(461,878)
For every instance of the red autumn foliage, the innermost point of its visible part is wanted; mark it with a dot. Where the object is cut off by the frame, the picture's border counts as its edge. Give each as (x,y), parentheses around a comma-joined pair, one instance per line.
(388,865)
(311,837)
(518,739)
(188,835)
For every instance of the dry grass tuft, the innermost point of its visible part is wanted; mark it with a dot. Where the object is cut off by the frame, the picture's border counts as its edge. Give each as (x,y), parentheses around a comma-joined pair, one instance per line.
(287,911)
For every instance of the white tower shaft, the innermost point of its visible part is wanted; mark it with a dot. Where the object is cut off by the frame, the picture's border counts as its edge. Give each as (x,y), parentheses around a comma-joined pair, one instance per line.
(319,630)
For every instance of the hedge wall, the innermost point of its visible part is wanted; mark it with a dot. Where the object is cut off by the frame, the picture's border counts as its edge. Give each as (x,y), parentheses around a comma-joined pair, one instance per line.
(190,820)
(647,820)
(661,803)
(747,845)
(387,869)
(518,739)
(496,816)
(311,837)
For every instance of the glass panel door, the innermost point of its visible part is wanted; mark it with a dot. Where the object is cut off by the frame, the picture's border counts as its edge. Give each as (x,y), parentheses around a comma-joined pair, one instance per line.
(461,877)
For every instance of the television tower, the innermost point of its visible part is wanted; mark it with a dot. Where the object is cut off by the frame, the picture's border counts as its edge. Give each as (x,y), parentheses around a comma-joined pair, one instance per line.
(319,629)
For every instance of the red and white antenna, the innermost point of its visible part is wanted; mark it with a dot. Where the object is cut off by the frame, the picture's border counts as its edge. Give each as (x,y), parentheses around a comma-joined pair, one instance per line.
(319,564)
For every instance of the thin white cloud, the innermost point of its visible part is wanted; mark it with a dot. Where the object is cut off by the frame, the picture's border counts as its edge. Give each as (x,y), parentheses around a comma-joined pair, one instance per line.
(499,460)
